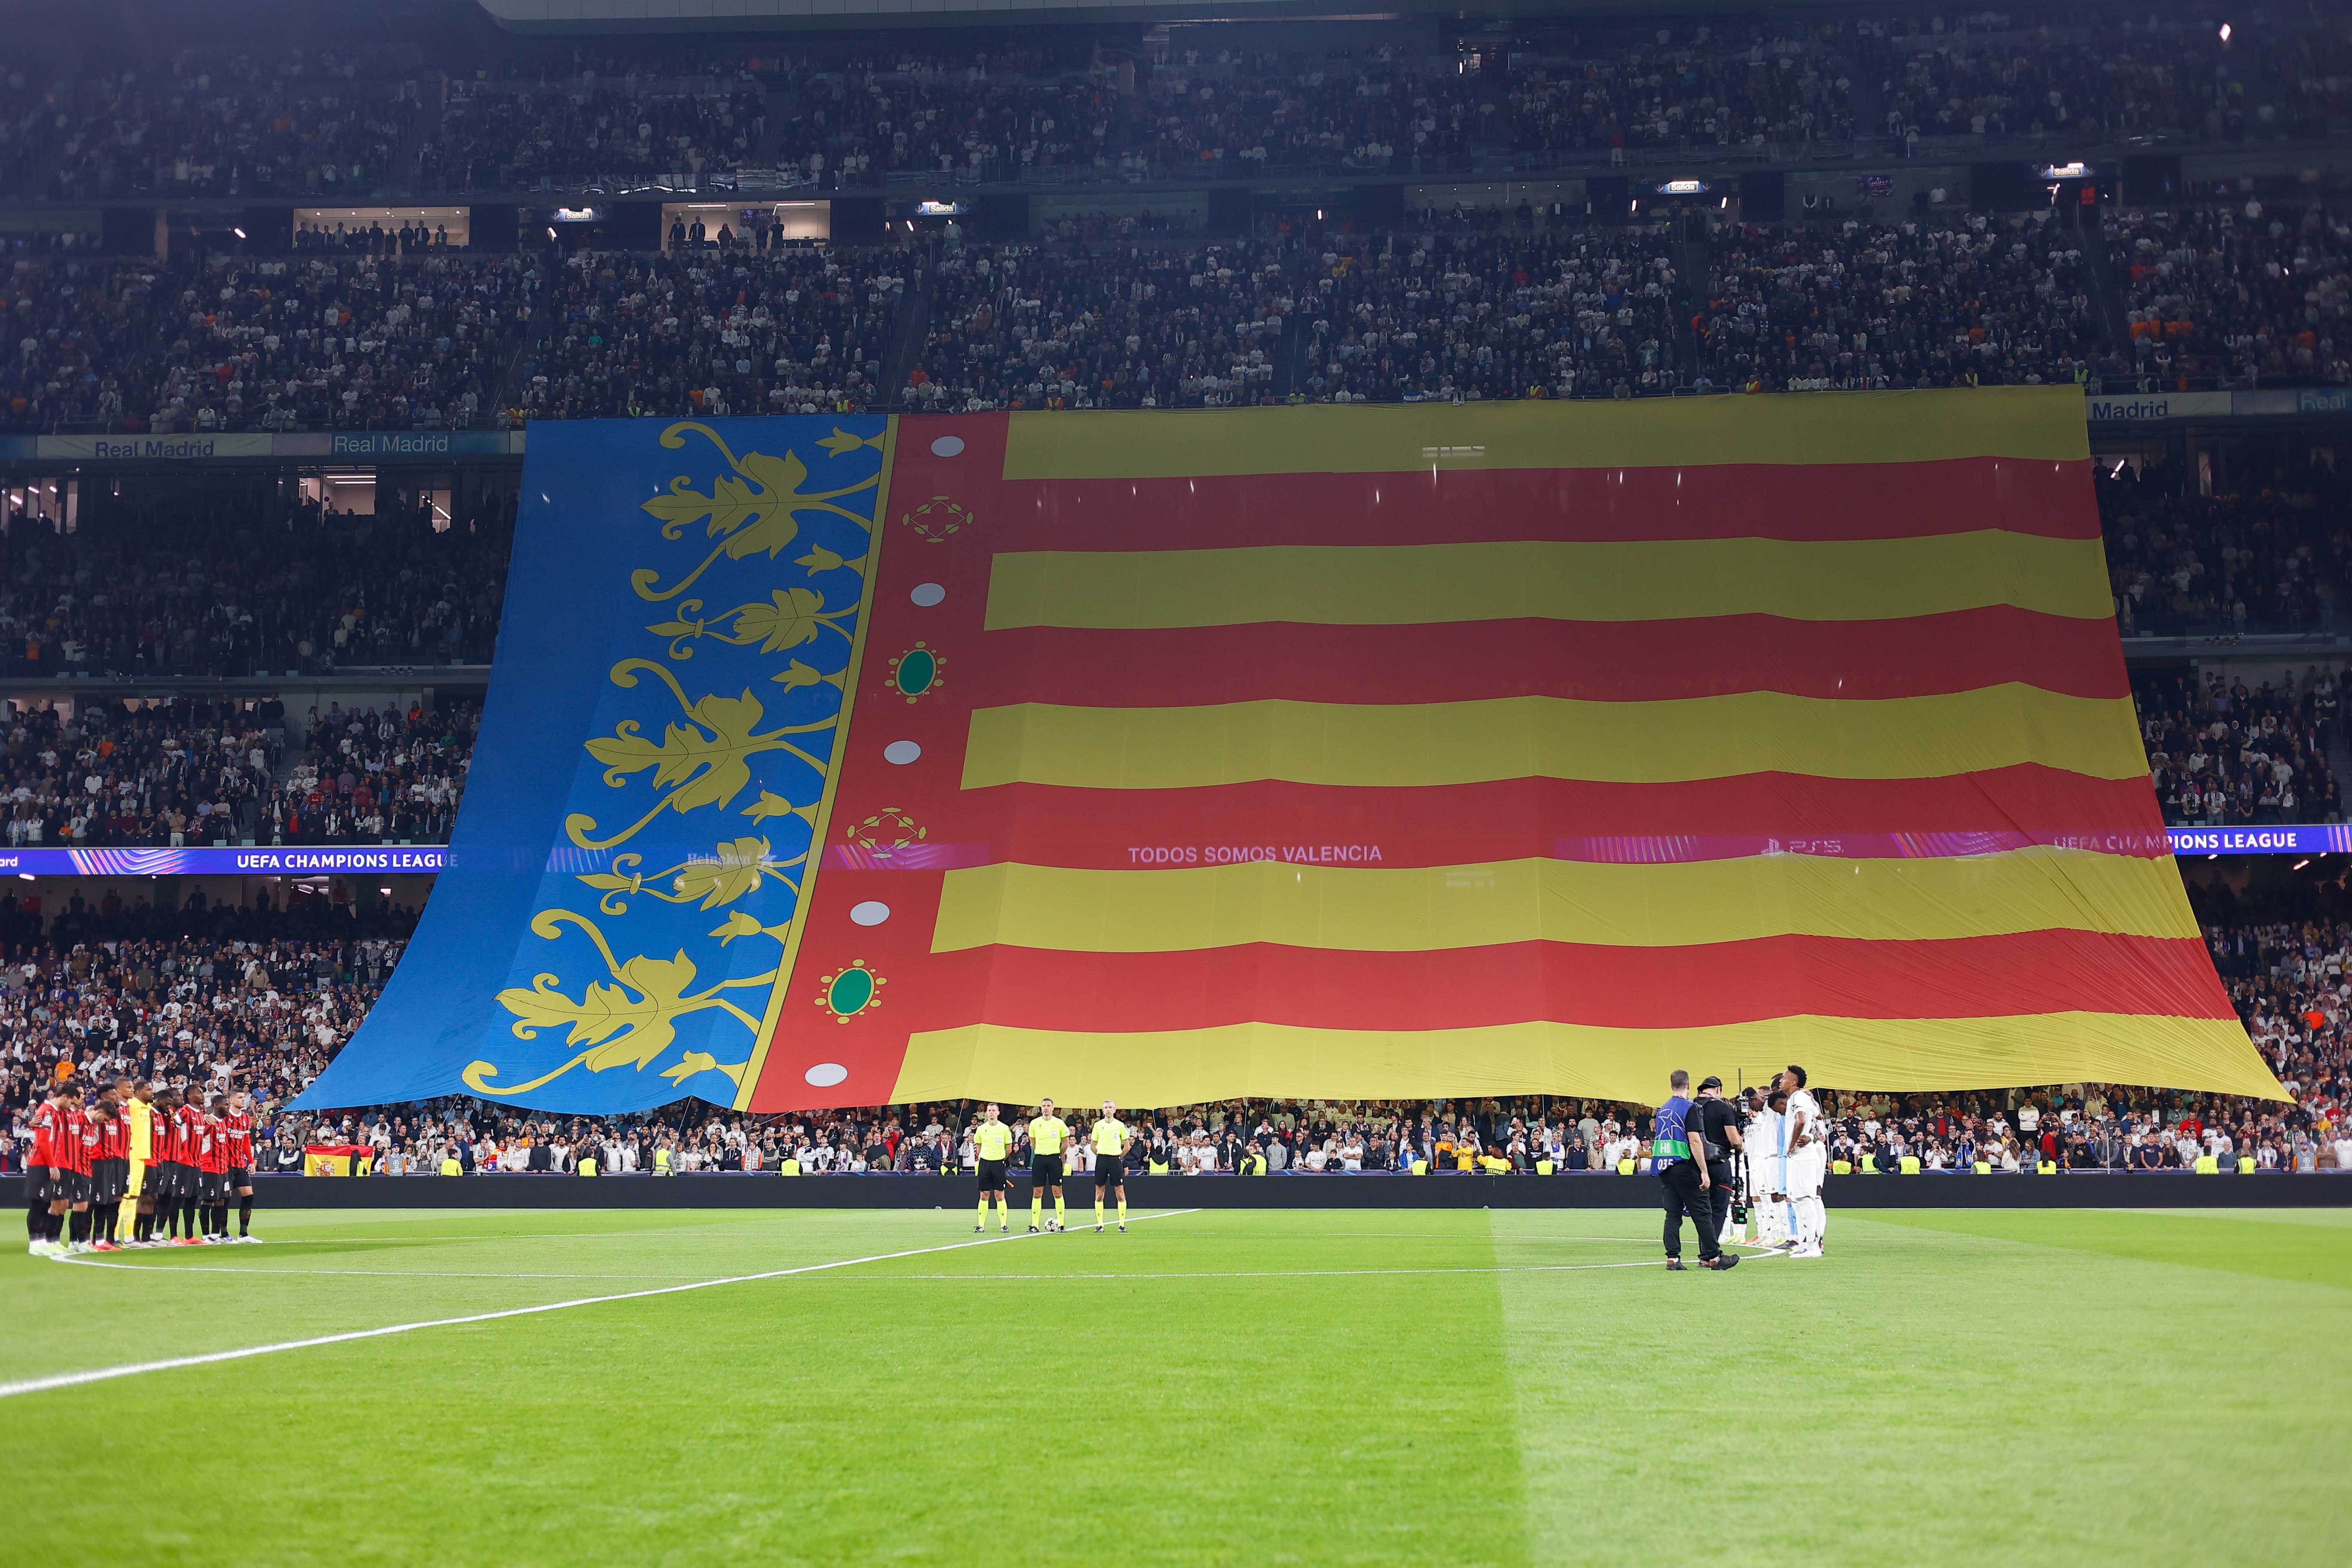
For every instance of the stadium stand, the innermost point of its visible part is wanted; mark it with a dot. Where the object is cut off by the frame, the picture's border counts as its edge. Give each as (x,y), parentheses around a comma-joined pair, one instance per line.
(208,125)
(362,328)
(796,330)
(1436,308)
(265,996)
(2149,77)
(200,587)
(472,115)
(1869,305)
(2221,296)
(2223,756)
(191,772)
(502,136)
(2266,559)
(310,341)
(259,1036)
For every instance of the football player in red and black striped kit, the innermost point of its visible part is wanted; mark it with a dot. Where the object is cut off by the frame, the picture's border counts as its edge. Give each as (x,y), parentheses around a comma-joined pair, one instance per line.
(213,1162)
(161,1197)
(46,1178)
(239,1123)
(109,1169)
(188,1153)
(78,1149)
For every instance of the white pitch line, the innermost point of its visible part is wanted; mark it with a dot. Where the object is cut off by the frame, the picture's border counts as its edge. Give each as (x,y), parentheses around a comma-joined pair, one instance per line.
(1319,1273)
(264,1272)
(101,1374)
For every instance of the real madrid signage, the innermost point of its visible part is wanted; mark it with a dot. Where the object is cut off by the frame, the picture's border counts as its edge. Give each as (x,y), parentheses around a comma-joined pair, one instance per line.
(210,448)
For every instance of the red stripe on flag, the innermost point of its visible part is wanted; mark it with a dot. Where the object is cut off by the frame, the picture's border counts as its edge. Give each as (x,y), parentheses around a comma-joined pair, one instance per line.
(1411,506)
(1633,661)
(1623,987)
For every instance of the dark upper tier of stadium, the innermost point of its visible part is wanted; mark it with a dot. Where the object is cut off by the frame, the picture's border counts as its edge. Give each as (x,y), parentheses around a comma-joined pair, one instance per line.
(137,100)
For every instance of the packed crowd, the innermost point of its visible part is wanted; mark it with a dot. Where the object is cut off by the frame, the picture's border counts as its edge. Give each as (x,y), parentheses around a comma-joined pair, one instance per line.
(1148,329)
(203,586)
(2241,296)
(260,1011)
(2069,1128)
(193,772)
(2222,754)
(796,330)
(2285,958)
(1997,303)
(376,776)
(261,998)
(1327,318)
(2264,557)
(286,118)
(1712,91)
(367,343)
(280,123)
(931,117)
(1441,307)
(2140,77)
(498,136)
(86,342)
(173,772)
(1556,314)
(311,341)
(1239,115)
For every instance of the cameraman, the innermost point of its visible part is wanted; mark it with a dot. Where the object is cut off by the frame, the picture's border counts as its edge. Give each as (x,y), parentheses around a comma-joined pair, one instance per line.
(1714,1135)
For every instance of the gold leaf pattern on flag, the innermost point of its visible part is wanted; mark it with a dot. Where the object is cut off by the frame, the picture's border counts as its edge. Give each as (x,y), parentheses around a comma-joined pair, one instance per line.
(709,744)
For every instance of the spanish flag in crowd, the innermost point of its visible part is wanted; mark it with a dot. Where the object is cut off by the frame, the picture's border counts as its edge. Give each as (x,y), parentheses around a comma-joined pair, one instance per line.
(337,1159)
(1406,752)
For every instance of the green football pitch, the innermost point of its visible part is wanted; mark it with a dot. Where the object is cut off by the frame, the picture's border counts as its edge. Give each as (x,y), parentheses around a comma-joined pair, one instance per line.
(1448,1387)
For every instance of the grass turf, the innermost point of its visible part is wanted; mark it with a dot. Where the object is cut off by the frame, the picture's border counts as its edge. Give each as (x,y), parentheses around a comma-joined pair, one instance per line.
(1260,1387)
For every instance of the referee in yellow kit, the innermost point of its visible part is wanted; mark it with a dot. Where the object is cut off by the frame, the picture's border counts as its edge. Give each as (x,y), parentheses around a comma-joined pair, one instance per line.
(1048,1135)
(992,1146)
(1110,1137)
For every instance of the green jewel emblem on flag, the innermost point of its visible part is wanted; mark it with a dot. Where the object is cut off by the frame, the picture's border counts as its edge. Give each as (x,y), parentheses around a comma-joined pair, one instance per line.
(853,990)
(918,672)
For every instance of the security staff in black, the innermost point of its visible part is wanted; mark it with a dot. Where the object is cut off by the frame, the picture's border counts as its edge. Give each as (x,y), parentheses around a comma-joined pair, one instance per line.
(1715,1124)
(1688,1184)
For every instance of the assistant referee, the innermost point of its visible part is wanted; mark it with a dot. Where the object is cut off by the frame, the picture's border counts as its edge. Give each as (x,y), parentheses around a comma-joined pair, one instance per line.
(991,1145)
(1110,1139)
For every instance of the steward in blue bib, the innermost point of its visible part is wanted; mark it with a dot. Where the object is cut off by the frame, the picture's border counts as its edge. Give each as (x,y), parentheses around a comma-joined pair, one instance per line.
(1688,1186)
(1670,1133)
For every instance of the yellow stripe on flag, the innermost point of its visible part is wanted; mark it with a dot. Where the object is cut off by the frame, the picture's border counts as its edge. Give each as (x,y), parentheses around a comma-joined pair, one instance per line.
(1842,580)
(1409,910)
(1186,1067)
(1416,744)
(2028,423)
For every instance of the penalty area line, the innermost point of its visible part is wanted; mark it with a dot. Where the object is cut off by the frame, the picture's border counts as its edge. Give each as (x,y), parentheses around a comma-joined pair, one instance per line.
(209,1358)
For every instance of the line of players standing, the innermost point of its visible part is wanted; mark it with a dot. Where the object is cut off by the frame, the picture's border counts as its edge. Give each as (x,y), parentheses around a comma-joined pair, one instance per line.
(167,1161)
(1786,1151)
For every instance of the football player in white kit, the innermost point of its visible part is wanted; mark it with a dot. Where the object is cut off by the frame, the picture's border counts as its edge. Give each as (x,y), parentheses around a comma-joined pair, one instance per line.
(1764,1181)
(1806,1137)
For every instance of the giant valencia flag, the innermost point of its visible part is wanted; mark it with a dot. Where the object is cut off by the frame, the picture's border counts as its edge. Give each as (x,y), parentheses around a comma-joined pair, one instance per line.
(1533,747)
(1320,752)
